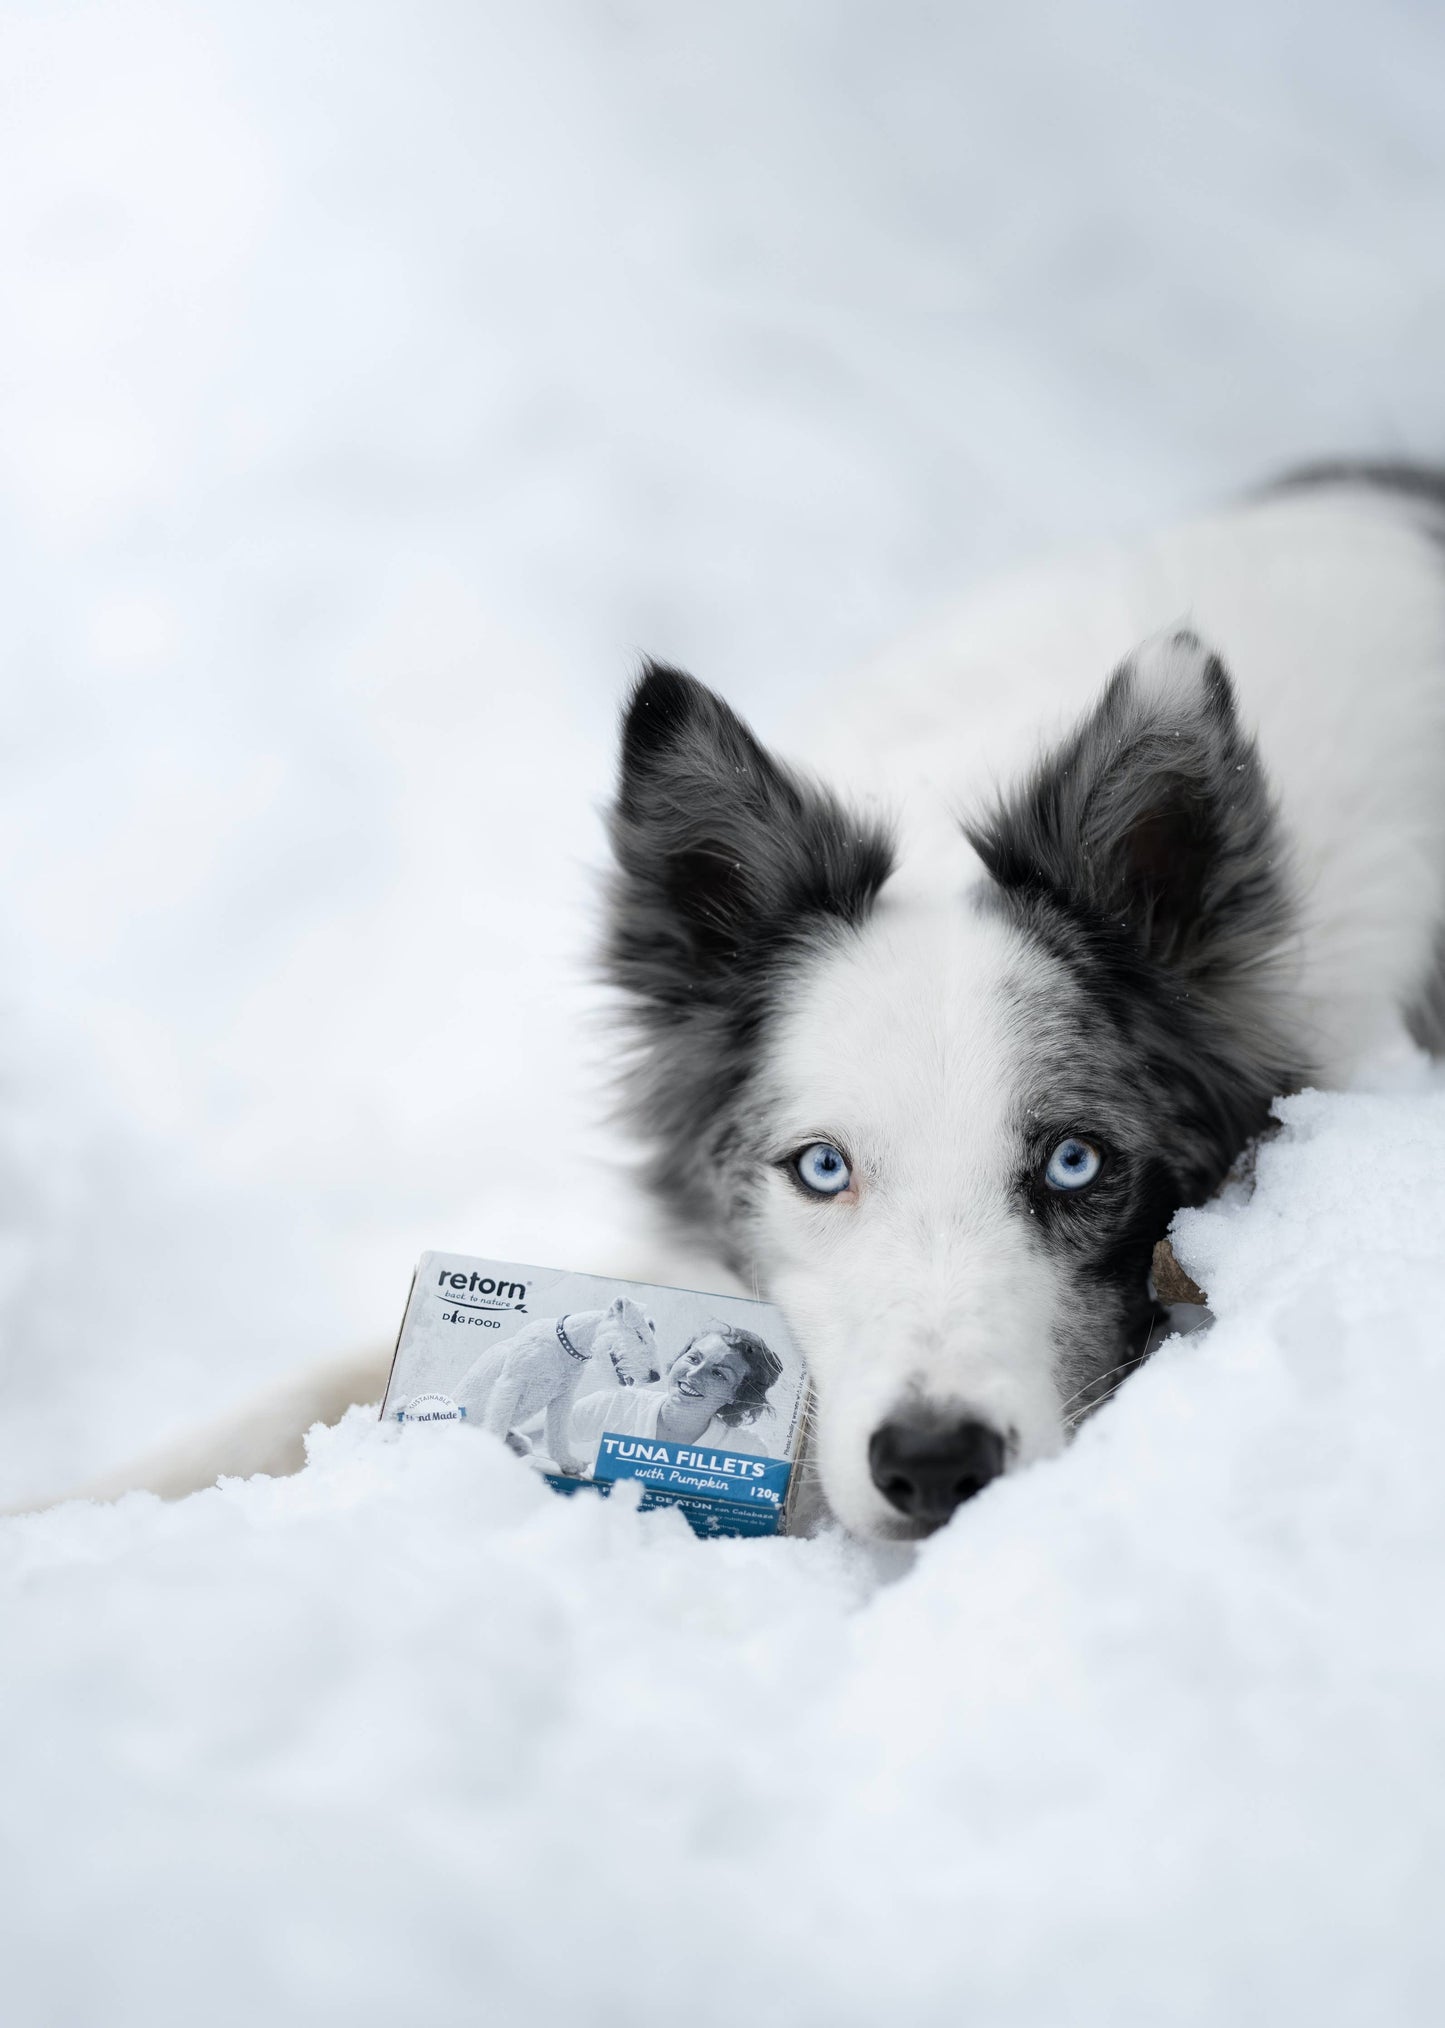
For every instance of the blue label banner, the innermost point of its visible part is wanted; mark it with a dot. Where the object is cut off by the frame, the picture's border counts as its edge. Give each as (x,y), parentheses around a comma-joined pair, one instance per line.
(696,1470)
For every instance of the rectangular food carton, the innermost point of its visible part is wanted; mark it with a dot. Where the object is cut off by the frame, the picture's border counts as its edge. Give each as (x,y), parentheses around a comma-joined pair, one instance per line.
(701,1398)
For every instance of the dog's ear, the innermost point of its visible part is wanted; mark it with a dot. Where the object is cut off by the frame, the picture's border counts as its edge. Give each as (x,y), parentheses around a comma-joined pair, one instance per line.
(1153,821)
(725,857)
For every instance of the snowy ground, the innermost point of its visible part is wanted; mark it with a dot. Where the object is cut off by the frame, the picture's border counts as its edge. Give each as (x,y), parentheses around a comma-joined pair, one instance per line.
(374,381)
(1151,1735)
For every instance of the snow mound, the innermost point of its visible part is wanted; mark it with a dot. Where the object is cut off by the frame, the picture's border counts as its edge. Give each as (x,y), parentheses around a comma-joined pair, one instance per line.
(1150,1734)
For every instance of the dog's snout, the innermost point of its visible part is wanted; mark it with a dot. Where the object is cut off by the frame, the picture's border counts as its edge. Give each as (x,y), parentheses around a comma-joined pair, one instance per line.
(927,1468)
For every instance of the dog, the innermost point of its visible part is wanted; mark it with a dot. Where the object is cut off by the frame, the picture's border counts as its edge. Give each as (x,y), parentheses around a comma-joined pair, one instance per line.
(933,1063)
(1121,852)
(537,1373)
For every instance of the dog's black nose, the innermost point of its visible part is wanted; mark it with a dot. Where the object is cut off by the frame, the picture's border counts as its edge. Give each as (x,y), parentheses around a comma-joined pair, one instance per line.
(926,1469)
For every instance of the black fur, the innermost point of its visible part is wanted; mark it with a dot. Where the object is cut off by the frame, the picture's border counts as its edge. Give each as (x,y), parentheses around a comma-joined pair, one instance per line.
(1425,1019)
(1152,826)
(1421,483)
(1145,855)
(729,866)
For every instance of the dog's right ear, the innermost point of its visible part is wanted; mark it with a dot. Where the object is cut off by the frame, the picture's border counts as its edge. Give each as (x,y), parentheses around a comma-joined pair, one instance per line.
(725,858)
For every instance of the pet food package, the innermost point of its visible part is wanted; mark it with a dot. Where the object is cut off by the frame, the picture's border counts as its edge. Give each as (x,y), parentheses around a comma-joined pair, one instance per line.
(699,1397)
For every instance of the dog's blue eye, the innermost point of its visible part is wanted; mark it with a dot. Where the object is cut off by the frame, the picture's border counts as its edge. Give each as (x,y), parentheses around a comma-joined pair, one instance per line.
(823,1169)
(1073,1165)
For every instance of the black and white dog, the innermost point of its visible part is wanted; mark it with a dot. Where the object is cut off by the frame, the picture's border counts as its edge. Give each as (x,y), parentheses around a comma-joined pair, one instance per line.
(934,1073)
(934,1063)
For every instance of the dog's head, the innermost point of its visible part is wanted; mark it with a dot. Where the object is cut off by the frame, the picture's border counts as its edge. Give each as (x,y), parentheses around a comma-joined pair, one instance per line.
(628,1337)
(944,1129)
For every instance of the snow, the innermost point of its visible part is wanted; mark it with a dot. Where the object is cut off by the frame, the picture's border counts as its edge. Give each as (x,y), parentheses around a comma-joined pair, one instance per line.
(1151,1734)
(374,381)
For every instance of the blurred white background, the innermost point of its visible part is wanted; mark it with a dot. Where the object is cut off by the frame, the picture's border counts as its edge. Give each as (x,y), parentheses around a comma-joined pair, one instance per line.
(377,381)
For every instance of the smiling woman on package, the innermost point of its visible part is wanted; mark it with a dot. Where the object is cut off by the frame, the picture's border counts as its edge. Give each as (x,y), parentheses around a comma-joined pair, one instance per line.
(723,1372)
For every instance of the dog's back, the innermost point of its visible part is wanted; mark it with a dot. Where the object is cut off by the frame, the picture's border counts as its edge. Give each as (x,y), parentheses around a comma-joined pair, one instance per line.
(1327,598)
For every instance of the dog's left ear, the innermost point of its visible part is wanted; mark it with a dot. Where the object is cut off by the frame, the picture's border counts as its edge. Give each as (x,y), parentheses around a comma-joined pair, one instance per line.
(1153,822)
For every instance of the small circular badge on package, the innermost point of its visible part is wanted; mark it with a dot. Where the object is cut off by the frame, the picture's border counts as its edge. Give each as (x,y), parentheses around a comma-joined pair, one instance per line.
(431,1408)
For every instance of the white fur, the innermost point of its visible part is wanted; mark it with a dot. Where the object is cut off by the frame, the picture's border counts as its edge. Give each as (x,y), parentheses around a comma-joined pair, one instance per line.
(903,1050)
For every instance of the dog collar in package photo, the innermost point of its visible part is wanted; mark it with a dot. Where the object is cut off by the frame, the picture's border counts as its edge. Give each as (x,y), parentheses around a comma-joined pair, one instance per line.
(701,1398)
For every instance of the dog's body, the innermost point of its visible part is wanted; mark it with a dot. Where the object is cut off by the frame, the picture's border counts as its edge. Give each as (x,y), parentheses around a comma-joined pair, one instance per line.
(537,1372)
(975,1054)
(949,1054)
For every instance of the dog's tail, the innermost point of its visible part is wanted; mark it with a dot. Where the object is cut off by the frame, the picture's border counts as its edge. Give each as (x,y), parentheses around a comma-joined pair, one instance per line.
(266,1434)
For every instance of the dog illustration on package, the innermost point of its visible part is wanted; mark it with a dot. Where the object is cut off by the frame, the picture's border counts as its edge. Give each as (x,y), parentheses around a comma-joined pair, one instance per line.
(537,1373)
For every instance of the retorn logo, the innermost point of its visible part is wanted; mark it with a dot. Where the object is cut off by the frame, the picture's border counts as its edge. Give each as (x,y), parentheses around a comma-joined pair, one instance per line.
(484,1292)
